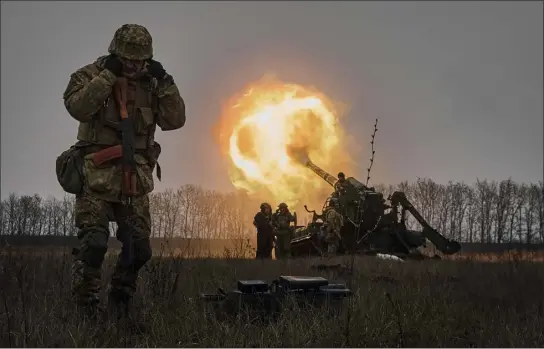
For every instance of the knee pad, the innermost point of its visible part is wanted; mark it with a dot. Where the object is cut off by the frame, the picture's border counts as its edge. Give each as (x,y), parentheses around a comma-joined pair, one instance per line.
(142,253)
(94,249)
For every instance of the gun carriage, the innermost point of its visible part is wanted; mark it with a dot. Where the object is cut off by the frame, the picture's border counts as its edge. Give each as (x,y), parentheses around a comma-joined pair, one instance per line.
(372,224)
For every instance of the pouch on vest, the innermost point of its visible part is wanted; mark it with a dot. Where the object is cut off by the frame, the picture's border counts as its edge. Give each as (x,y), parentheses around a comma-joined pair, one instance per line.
(69,169)
(143,121)
(106,179)
(103,179)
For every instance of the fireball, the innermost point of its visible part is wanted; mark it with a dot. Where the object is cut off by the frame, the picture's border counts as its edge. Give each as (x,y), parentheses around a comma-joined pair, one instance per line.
(260,127)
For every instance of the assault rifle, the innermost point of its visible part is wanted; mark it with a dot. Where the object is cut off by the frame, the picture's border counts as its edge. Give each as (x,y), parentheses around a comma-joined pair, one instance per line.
(127,134)
(128,165)
(125,151)
(258,297)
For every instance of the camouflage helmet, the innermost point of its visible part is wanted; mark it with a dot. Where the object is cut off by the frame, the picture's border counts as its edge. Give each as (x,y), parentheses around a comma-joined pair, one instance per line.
(333,202)
(341,175)
(282,205)
(265,205)
(132,41)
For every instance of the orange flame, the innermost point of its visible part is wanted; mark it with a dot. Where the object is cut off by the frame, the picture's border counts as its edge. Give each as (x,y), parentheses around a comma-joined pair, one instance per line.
(260,126)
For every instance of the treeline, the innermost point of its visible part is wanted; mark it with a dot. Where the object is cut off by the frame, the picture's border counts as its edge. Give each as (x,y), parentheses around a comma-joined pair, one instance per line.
(487,211)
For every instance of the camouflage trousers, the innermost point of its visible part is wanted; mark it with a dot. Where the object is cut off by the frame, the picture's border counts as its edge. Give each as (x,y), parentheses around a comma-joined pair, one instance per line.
(92,217)
(283,244)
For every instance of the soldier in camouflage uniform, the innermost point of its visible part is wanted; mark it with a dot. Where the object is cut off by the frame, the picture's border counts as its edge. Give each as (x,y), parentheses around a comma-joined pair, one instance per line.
(152,99)
(346,193)
(342,186)
(265,233)
(333,224)
(281,221)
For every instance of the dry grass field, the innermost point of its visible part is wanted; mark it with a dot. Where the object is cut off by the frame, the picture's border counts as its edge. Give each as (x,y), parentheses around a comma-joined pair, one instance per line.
(508,256)
(453,303)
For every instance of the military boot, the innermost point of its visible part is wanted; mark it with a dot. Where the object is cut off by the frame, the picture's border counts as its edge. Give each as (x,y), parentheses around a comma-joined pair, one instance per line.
(90,308)
(85,285)
(118,302)
(120,308)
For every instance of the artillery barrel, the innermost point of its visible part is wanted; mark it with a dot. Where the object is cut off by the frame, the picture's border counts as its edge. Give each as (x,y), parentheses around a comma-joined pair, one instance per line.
(330,178)
(321,173)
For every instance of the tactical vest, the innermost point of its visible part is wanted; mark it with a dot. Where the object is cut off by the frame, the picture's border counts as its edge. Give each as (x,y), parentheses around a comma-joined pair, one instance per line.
(142,107)
(283,220)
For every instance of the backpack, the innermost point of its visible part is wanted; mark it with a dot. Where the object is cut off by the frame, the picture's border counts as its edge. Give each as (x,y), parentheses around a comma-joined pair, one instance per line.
(69,169)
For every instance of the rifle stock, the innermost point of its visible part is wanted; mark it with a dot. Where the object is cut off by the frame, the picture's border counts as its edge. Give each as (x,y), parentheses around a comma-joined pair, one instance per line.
(105,155)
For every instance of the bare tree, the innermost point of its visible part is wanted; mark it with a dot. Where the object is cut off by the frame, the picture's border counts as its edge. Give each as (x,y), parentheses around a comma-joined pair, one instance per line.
(486,196)
(530,212)
(155,210)
(444,207)
(503,207)
(426,194)
(459,205)
(540,205)
(171,209)
(3,217)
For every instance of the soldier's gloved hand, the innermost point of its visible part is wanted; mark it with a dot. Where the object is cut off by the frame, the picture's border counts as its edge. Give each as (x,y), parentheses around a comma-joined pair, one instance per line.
(114,65)
(155,69)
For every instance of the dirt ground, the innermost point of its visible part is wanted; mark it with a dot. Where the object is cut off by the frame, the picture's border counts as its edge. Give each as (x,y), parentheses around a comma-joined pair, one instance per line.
(453,303)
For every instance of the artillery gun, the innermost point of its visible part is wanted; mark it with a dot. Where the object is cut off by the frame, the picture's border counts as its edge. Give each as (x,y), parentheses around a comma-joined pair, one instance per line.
(371,224)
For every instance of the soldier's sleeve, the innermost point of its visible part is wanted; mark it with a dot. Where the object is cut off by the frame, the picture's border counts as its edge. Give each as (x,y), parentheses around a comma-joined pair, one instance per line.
(171,106)
(85,93)
(259,220)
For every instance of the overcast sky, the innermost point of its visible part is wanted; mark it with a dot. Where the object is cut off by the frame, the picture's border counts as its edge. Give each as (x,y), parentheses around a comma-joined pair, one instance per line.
(457,87)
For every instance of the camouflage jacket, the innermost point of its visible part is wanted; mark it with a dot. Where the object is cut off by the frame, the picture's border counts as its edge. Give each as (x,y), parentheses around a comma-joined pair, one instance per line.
(334,220)
(281,220)
(343,187)
(346,192)
(88,98)
(263,223)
